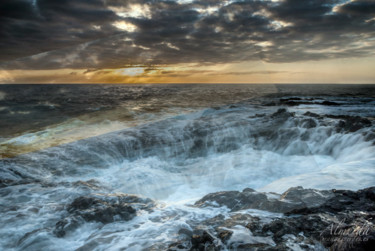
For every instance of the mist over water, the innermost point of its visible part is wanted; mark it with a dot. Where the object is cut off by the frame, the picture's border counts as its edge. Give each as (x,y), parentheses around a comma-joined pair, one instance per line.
(173,144)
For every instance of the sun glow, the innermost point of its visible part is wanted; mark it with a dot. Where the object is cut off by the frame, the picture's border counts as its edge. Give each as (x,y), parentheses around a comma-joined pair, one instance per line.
(126,26)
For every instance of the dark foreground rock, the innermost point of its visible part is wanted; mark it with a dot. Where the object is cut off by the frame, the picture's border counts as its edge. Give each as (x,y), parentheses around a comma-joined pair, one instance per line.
(104,209)
(294,198)
(303,219)
(294,101)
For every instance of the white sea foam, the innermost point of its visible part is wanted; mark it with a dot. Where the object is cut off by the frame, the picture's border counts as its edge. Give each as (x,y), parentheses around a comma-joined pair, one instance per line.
(352,175)
(175,161)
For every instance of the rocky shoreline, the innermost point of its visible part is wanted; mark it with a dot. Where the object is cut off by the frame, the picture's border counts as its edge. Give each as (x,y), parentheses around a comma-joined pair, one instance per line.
(298,219)
(311,220)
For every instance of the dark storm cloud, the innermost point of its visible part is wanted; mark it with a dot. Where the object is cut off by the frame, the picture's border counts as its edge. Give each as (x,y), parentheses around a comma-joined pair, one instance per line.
(358,8)
(96,33)
(29,27)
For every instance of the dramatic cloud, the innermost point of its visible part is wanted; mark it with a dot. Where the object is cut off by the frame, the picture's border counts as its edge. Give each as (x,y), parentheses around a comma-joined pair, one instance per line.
(98,34)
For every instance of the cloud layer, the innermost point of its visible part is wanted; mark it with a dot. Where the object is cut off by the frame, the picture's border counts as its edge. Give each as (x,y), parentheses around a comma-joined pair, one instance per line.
(95,34)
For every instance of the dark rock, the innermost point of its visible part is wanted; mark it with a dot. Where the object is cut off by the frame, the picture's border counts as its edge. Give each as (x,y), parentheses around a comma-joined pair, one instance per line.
(257,115)
(89,184)
(329,103)
(309,197)
(291,103)
(176,246)
(294,101)
(310,226)
(250,199)
(350,123)
(321,219)
(185,231)
(104,209)
(65,225)
(342,200)
(289,99)
(203,241)
(308,123)
(282,113)
(225,235)
(311,114)
(270,104)
(369,136)
(354,231)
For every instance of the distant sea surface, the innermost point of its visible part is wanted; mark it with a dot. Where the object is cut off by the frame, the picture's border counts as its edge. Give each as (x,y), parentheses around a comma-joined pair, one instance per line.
(173,144)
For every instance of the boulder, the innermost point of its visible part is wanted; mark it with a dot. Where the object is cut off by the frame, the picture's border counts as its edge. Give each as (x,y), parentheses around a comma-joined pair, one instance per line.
(103,209)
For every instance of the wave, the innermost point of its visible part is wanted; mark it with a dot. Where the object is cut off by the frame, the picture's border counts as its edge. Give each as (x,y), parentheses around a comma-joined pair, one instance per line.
(257,147)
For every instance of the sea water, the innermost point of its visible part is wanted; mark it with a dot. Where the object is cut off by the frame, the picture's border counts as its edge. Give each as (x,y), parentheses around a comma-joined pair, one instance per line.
(173,144)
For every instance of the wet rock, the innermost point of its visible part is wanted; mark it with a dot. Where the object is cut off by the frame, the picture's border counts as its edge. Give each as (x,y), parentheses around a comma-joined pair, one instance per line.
(289,99)
(308,123)
(329,219)
(343,200)
(176,246)
(309,197)
(350,123)
(329,103)
(225,235)
(291,103)
(369,136)
(64,226)
(186,232)
(250,199)
(89,184)
(203,242)
(93,209)
(307,225)
(294,101)
(311,114)
(103,209)
(258,115)
(282,113)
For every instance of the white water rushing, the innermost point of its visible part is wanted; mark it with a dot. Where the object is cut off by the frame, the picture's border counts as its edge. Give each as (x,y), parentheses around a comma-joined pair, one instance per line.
(176,161)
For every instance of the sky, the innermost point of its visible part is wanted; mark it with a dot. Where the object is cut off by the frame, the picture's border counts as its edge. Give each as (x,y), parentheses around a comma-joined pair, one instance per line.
(187,41)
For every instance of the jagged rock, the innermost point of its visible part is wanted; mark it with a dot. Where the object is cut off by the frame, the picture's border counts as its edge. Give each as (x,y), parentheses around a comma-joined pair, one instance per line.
(294,101)
(329,103)
(65,225)
(354,231)
(342,200)
(309,197)
(225,235)
(309,226)
(104,209)
(294,198)
(93,209)
(330,219)
(203,242)
(176,246)
(282,113)
(311,114)
(308,123)
(370,136)
(350,123)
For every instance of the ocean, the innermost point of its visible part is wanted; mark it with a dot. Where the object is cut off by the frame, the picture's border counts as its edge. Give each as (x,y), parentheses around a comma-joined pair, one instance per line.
(173,144)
